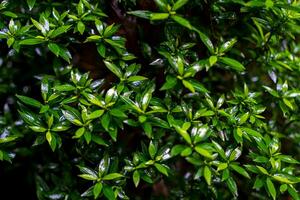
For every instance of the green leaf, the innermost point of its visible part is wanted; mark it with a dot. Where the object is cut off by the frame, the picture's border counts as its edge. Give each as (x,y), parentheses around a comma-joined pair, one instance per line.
(262,170)
(136,178)
(72,117)
(243,118)
(93,99)
(222,166)
(235,154)
(54,48)
(219,149)
(38,129)
(136,78)
(294,193)
(206,41)
(39,26)
(186,152)
(198,86)
(252,132)
(232,186)
(132,104)
(145,100)
(113,68)
(271,188)
(161,168)
(112,176)
(105,121)
(30,4)
(171,81)
(10,41)
(9,14)
(159,16)
(29,101)
(88,177)
(227,45)
(178,4)
(288,159)
(79,132)
(45,88)
(152,150)
(30,118)
(182,21)
(232,63)
(203,152)
(80,27)
(64,88)
(184,134)
(31,41)
(141,13)
(212,60)
(271,91)
(285,178)
(188,85)
(49,137)
(99,140)
(110,95)
(96,114)
(97,189)
(110,30)
(162,4)
(240,170)
(207,175)
(60,30)
(108,192)
(117,113)
(177,149)
(288,103)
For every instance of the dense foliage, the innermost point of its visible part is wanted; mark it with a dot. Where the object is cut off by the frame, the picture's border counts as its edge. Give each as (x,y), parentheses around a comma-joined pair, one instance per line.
(140,99)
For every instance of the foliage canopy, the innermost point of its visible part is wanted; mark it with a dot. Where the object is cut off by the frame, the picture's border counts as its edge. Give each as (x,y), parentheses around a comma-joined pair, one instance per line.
(163,99)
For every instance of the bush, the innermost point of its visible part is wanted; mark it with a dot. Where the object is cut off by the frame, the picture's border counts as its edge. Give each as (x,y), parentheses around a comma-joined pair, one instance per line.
(146,99)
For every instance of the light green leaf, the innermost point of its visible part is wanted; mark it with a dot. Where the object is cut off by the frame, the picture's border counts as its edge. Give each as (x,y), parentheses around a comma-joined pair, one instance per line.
(240,170)
(31,41)
(136,178)
(232,63)
(207,175)
(80,27)
(271,188)
(97,189)
(203,152)
(112,176)
(188,85)
(159,16)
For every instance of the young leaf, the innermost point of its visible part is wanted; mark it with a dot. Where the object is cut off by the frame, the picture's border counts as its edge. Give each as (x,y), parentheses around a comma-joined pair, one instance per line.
(136,178)
(30,4)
